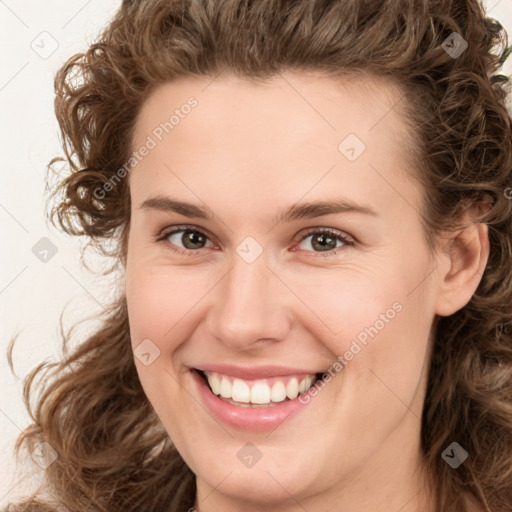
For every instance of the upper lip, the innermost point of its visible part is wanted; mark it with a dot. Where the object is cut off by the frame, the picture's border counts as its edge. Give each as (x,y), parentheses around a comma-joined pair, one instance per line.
(254,372)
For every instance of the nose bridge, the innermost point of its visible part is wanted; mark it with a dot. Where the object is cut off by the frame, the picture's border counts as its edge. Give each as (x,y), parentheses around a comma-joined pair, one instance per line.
(249,306)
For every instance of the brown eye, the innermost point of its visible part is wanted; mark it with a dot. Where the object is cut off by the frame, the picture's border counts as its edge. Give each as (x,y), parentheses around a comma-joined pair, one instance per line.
(325,240)
(185,240)
(189,238)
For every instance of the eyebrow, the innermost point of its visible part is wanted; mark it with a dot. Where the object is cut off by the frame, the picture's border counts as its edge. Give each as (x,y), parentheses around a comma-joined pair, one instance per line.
(308,210)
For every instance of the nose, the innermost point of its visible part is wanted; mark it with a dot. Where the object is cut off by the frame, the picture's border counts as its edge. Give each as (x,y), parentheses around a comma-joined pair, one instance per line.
(251,306)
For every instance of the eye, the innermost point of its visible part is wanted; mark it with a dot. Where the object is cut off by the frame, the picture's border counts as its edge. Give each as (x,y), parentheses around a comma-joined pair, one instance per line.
(325,240)
(191,238)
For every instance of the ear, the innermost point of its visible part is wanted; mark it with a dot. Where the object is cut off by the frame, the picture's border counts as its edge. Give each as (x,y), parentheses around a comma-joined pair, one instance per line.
(461,265)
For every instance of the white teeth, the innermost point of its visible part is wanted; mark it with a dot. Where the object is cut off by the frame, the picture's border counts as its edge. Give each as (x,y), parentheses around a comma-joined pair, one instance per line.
(214,382)
(260,392)
(292,388)
(306,383)
(278,393)
(241,392)
(226,388)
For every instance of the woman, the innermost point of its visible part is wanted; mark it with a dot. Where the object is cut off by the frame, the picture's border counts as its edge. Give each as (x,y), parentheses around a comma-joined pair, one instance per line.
(310,206)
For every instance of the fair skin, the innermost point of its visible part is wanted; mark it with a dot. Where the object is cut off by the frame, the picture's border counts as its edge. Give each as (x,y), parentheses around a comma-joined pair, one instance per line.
(248,151)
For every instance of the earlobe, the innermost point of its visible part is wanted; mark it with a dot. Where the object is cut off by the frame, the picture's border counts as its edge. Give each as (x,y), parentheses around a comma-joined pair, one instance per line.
(462,268)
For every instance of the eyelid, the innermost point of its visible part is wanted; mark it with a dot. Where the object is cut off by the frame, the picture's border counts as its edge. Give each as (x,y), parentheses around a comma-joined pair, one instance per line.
(306,232)
(169,230)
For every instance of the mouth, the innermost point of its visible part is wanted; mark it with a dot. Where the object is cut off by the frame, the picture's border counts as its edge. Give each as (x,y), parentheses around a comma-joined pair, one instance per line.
(257,393)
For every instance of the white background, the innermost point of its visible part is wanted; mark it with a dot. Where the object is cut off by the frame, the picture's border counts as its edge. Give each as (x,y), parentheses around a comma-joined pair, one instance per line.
(32,293)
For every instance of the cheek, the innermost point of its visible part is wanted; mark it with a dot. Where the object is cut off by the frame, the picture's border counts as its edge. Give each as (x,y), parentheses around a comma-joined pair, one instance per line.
(341,303)
(157,300)
(376,316)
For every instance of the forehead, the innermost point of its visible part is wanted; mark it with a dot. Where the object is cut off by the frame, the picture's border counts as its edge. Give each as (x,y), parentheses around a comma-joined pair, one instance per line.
(286,132)
(326,104)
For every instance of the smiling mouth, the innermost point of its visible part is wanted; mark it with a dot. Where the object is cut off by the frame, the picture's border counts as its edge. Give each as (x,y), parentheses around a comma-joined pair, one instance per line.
(258,393)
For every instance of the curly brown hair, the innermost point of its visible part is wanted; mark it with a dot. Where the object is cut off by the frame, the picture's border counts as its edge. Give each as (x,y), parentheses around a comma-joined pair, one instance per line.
(113,452)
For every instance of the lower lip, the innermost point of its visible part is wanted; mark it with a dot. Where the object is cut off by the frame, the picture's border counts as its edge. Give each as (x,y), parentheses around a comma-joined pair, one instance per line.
(247,418)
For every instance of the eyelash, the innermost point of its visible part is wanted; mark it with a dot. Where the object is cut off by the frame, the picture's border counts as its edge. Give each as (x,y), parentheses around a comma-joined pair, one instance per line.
(162,237)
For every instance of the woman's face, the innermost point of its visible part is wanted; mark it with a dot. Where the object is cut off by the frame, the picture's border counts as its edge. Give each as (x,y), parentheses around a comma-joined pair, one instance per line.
(261,304)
